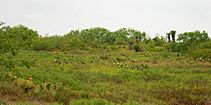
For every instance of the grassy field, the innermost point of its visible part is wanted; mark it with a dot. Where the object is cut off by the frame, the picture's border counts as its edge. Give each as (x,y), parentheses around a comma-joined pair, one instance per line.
(106,77)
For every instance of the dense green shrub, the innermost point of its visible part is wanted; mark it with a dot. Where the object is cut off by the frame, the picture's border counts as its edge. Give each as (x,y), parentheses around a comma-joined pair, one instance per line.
(159,41)
(193,37)
(178,47)
(73,41)
(47,43)
(190,41)
(19,35)
(8,48)
(138,48)
(202,52)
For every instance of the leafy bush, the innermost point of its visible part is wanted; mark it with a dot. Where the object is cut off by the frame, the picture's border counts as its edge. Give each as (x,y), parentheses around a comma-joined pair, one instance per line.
(193,37)
(63,96)
(138,48)
(159,41)
(8,51)
(178,47)
(19,35)
(204,54)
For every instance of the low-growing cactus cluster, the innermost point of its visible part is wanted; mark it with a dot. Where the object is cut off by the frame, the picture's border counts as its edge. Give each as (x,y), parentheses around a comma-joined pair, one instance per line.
(26,85)
(56,92)
(29,86)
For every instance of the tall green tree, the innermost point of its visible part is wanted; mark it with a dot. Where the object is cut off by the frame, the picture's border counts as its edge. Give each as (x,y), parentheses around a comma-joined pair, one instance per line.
(8,49)
(124,35)
(189,41)
(195,37)
(21,35)
(97,35)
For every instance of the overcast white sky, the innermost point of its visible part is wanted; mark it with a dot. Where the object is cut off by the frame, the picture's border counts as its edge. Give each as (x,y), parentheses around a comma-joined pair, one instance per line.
(151,16)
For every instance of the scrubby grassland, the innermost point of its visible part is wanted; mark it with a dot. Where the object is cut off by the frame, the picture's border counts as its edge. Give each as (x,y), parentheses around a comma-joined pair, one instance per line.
(99,67)
(106,77)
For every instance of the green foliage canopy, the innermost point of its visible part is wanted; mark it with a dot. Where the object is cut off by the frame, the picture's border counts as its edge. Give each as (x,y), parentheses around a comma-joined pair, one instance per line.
(193,37)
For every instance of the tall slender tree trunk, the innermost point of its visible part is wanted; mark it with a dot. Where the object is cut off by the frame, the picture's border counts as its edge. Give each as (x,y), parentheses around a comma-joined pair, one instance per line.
(169,37)
(173,33)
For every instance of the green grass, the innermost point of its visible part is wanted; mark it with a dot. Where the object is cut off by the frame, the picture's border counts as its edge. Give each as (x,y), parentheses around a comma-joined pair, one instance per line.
(106,78)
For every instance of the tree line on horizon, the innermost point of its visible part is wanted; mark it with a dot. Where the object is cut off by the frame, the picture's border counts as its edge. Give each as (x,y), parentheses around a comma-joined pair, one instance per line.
(21,37)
